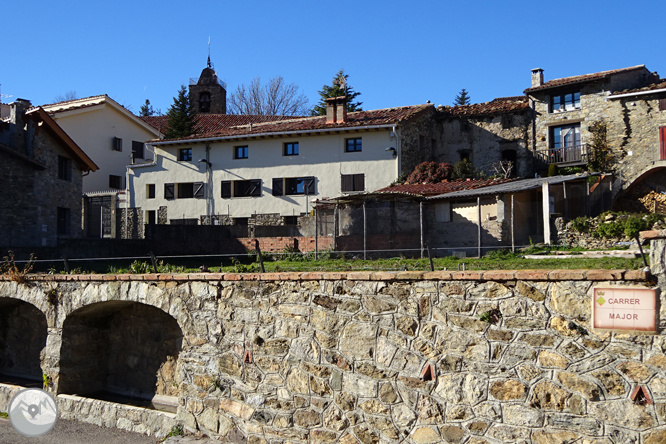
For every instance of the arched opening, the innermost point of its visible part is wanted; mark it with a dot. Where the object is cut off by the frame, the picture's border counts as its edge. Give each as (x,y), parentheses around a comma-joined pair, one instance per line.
(204,102)
(123,352)
(23,331)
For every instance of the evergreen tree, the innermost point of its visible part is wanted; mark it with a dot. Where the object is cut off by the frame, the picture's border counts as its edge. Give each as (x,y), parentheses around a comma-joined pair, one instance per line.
(462,98)
(147,109)
(181,116)
(339,87)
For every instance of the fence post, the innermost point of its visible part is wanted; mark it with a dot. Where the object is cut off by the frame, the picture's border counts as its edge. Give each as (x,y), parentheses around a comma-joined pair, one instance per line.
(478,210)
(153,259)
(432,267)
(316,239)
(66,264)
(364,233)
(261,259)
(513,240)
(421,225)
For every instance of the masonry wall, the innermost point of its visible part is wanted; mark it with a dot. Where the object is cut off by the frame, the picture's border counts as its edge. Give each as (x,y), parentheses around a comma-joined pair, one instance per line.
(324,357)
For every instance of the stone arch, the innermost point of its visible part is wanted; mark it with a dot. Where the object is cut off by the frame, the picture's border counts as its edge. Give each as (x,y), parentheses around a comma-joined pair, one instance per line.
(645,174)
(120,350)
(23,334)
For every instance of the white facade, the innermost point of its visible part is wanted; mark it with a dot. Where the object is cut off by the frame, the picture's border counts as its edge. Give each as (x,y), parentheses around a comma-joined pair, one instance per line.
(321,155)
(96,124)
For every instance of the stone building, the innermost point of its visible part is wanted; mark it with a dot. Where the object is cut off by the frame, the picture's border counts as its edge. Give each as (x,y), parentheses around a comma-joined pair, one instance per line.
(208,94)
(570,111)
(41,171)
(486,133)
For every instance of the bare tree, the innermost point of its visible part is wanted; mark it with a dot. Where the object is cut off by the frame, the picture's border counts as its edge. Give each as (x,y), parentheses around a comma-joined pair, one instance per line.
(503,168)
(277,98)
(69,95)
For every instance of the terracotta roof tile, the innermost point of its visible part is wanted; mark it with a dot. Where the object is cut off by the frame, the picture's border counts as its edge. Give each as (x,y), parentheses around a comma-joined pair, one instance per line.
(496,106)
(434,189)
(584,78)
(661,84)
(387,116)
(208,123)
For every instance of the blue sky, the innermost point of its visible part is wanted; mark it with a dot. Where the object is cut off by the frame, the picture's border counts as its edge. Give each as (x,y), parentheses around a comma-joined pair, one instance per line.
(396,53)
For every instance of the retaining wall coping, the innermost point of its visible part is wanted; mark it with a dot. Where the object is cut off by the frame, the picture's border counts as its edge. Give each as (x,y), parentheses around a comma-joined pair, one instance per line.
(653,234)
(443,275)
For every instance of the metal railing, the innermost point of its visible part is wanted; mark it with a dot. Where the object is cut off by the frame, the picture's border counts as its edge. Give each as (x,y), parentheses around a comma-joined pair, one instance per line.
(566,155)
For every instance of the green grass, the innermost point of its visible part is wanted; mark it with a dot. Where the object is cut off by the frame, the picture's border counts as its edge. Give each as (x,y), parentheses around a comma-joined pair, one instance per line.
(4,415)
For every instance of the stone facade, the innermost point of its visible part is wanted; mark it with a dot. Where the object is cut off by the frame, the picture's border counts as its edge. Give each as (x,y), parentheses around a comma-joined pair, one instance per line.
(419,141)
(208,86)
(375,357)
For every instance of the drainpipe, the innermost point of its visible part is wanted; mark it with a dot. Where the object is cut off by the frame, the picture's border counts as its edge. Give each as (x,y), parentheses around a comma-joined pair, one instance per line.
(398,149)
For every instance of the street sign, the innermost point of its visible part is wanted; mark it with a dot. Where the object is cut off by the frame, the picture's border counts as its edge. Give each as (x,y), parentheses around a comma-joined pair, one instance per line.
(624,308)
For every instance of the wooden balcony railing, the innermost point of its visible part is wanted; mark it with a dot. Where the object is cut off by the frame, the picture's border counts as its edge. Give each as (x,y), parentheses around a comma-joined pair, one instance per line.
(563,156)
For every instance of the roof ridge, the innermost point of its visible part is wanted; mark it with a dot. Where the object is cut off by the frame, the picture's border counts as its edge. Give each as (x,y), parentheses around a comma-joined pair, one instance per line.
(75,100)
(629,68)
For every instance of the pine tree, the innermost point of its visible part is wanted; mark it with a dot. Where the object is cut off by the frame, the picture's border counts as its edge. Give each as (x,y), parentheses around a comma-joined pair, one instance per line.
(462,98)
(339,87)
(147,109)
(181,116)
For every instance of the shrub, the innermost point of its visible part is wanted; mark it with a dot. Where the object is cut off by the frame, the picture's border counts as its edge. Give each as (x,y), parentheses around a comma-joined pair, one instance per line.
(430,172)
(553,170)
(463,170)
(581,224)
(633,226)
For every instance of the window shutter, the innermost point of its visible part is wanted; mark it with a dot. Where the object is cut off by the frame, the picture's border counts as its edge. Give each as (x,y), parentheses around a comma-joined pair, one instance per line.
(347,183)
(169,190)
(117,144)
(662,142)
(255,188)
(226,189)
(662,104)
(277,187)
(198,189)
(310,185)
(359,182)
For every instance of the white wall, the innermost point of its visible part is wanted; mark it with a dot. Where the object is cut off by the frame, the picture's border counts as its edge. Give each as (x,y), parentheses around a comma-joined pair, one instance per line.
(93,129)
(321,156)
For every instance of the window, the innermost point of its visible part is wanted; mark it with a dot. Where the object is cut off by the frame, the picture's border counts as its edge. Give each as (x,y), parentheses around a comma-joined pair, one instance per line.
(204,102)
(291,220)
(353,145)
(150,191)
(64,219)
(291,149)
(64,168)
(353,182)
(465,155)
(299,185)
(185,154)
(169,190)
(242,221)
(150,217)
(241,188)
(294,185)
(190,190)
(662,142)
(184,221)
(117,144)
(240,152)
(115,182)
(137,149)
(565,136)
(565,102)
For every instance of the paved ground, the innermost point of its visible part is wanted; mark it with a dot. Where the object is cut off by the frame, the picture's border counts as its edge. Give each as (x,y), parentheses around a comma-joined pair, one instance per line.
(74,432)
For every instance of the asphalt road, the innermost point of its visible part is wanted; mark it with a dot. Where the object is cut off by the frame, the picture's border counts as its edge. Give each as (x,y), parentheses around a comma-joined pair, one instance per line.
(74,432)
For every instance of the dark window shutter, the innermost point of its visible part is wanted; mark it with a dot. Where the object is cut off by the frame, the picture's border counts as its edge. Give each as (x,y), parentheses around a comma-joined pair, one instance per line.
(137,149)
(359,182)
(309,185)
(347,183)
(277,187)
(226,189)
(117,144)
(169,190)
(255,188)
(662,104)
(198,189)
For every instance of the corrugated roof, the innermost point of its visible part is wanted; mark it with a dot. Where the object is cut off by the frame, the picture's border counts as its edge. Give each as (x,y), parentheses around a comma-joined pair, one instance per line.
(511,187)
(496,106)
(584,78)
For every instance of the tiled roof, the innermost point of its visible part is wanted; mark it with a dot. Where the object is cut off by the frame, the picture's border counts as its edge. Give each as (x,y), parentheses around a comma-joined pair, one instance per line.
(659,85)
(495,106)
(209,123)
(584,78)
(379,117)
(72,104)
(434,189)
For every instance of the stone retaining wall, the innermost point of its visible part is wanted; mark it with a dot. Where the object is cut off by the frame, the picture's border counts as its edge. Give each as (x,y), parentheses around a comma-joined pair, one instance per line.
(365,357)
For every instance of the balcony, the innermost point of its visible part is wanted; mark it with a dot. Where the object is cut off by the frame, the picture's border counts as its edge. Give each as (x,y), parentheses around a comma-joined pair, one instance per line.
(563,156)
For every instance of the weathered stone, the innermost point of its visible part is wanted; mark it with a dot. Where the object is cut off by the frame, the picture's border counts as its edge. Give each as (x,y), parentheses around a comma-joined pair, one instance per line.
(326,301)
(658,361)
(453,305)
(365,435)
(562,326)
(510,434)
(529,291)
(373,406)
(658,387)
(537,340)
(316,370)
(634,370)
(370,370)
(623,413)
(323,436)
(468,323)
(452,434)
(378,305)
(425,435)
(499,335)
(236,408)
(307,418)
(384,426)
(611,381)
(327,322)
(477,427)
(429,411)
(297,381)
(548,396)
(550,359)
(574,382)
(520,323)
(319,387)
(459,413)
(587,426)
(229,364)
(529,372)
(335,420)
(469,388)
(507,390)
(656,437)
(349,439)
(544,437)
(358,340)
(520,415)
(349,306)
(345,401)
(572,350)
(387,393)
(570,299)
(274,347)
(407,325)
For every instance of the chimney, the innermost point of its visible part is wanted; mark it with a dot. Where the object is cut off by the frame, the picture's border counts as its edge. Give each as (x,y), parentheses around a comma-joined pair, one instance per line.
(537,77)
(17,110)
(336,109)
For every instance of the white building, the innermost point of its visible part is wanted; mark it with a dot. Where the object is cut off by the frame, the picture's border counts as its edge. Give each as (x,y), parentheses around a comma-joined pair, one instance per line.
(272,171)
(111,135)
